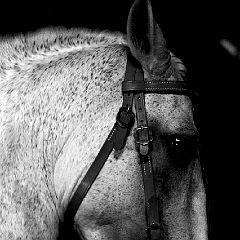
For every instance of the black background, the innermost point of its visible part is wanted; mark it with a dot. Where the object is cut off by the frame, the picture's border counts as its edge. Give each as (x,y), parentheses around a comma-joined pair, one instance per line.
(192,31)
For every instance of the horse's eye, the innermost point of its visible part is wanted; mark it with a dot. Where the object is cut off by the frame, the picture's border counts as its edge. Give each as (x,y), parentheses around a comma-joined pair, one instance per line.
(182,150)
(179,143)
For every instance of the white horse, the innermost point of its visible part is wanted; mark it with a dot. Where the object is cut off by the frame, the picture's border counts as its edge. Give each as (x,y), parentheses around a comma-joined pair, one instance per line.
(60,91)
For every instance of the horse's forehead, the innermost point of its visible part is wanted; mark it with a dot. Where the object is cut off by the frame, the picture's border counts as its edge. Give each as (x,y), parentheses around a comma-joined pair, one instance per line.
(172,113)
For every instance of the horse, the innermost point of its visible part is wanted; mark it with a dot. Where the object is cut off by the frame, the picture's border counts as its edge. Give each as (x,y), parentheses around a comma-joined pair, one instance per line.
(60,91)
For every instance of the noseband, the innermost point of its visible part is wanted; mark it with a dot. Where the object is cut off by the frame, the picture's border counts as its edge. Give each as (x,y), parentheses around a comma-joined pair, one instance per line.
(133,89)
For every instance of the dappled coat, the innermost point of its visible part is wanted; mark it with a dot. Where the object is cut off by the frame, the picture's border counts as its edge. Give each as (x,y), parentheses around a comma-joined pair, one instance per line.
(60,91)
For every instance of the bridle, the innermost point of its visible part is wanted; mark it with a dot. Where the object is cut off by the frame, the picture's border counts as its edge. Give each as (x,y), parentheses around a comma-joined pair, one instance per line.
(133,89)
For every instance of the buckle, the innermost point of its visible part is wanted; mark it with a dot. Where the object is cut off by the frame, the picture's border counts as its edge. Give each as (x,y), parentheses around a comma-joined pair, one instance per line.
(143,135)
(125,118)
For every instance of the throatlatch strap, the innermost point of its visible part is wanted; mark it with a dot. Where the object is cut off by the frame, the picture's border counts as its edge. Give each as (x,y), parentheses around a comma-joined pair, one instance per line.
(116,139)
(90,177)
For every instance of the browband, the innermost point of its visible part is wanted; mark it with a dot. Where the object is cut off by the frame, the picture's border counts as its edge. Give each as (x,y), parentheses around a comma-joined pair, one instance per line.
(156,86)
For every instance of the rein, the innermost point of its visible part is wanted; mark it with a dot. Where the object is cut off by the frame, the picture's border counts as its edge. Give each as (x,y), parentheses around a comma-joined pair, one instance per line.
(133,89)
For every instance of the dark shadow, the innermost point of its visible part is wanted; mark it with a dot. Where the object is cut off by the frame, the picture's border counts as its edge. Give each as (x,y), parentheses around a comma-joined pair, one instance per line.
(67,232)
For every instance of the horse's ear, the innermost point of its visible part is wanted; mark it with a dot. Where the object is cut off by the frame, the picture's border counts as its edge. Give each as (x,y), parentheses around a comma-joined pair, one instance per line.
(145,39)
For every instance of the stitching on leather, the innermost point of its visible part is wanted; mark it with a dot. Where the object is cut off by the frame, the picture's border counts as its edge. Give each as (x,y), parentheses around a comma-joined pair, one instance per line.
(180,89)
(114,130)
(162,82)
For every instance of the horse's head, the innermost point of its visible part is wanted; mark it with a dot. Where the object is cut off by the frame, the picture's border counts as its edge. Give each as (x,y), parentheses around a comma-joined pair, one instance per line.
(114,206)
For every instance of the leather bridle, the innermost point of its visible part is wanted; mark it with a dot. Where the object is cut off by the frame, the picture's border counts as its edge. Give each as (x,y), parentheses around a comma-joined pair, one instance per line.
(133,89)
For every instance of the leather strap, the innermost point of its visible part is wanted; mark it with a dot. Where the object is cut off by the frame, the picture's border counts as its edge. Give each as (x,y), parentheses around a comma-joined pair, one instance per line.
(143,140)
(90,177)
(126,107)
(117,136)
(116,139)
(156,86)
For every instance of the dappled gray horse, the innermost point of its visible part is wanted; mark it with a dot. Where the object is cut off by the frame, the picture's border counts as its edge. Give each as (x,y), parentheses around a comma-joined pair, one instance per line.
(60,91)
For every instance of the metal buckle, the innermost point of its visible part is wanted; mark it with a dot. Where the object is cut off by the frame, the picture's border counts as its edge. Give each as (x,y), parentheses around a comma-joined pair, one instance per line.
(143,136)
(148,134)
(125,117)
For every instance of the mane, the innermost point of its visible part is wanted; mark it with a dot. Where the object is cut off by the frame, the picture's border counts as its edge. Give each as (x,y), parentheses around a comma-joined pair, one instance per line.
(178,65)
(19,48)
